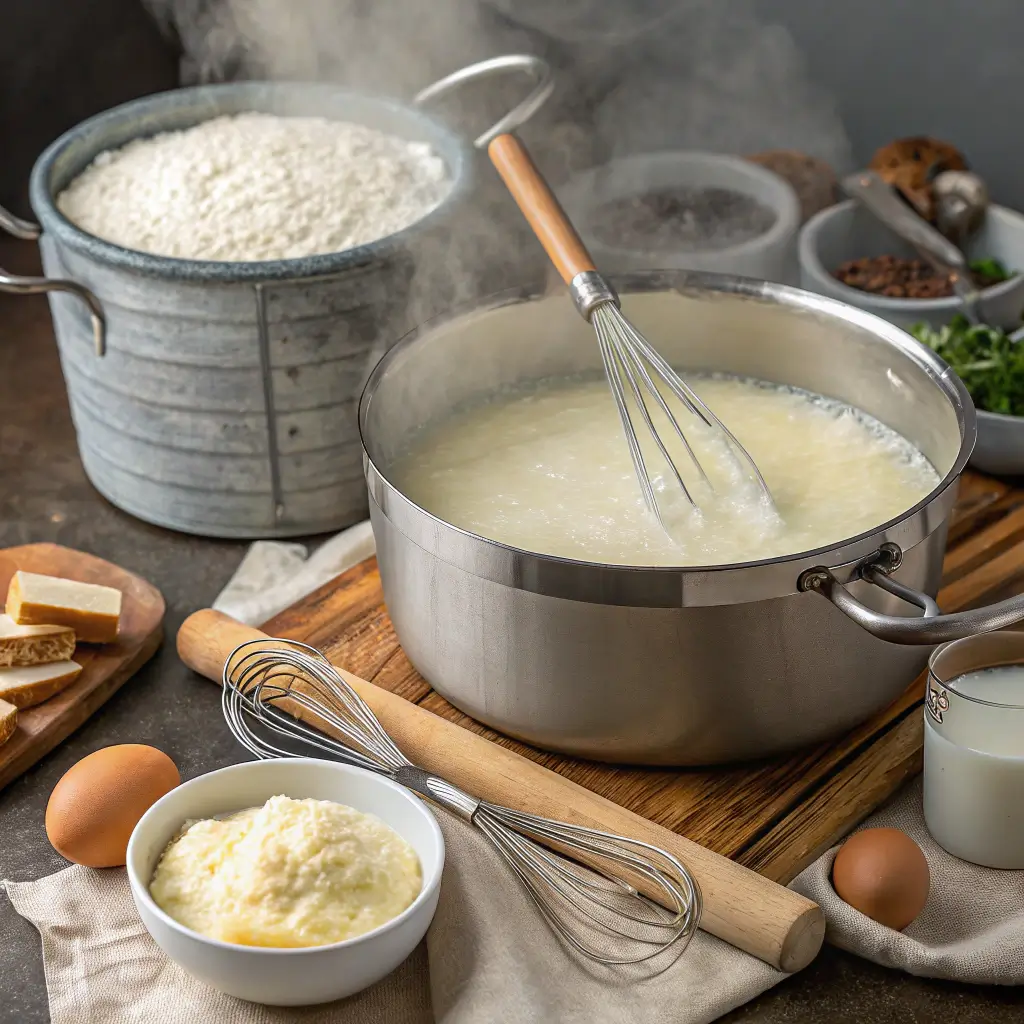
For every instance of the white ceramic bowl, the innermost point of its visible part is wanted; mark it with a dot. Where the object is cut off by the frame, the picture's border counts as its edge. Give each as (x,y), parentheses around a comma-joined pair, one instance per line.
(847,232)
(769,257)
(1000,447)
(288,977)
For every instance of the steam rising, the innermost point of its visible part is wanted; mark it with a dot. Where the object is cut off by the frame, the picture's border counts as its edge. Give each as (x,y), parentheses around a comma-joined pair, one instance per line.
(659,74)
(634,76)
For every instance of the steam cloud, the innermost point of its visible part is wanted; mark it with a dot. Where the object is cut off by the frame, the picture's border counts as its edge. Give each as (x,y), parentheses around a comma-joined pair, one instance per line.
(659,73)
(636,76)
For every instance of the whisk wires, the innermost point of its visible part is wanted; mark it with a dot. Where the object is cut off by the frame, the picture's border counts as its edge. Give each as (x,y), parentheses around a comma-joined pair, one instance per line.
(628,360)
(616,901)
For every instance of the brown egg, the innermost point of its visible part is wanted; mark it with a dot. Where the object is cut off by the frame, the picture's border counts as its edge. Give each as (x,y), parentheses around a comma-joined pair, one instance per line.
(882,873)
(99,800)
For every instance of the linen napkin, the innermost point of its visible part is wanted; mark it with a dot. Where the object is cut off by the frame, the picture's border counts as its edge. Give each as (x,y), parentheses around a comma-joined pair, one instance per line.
(971,929)
(489,958)
(274,575)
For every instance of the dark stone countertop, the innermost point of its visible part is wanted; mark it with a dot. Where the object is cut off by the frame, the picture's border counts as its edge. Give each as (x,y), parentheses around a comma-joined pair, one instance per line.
(44,495)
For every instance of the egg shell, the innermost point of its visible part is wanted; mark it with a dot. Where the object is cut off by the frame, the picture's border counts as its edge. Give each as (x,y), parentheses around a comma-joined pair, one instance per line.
(98,801)
(882,873)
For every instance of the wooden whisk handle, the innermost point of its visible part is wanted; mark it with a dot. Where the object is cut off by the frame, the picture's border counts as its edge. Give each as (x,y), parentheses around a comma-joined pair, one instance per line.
(542,210)
(742,907)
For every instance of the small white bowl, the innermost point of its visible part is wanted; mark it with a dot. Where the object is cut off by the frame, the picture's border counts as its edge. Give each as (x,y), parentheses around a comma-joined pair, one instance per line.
(288,977)
(1000,446)
(847,232)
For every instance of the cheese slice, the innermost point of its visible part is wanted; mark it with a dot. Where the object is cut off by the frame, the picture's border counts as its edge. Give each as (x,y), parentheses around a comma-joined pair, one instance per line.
(8,721)
(29,685)
(34,645)
(92,611)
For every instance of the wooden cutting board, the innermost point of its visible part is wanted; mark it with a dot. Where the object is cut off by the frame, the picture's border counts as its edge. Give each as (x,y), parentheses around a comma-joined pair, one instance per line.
(105,667)
(774,816)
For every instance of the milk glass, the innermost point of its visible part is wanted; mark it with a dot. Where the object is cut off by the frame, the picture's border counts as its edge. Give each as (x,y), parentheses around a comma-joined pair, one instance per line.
(974,749)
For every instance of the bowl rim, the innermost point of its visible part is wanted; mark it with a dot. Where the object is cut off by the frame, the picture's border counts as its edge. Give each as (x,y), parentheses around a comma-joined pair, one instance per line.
(810,261)
(1007,416)
(785,204)
(454,150)
(140,889)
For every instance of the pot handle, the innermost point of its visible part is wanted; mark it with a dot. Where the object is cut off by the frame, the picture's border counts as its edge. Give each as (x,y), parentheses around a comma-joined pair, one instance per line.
(536,67)
(931,628)
(19,285)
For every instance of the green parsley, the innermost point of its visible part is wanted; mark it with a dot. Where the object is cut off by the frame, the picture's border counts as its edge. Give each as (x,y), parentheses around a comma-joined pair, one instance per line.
(984,358)
(992,270)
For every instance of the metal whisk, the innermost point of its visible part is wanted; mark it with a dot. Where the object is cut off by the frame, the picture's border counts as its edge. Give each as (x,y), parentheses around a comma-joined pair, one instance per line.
(598,909)
(637,374)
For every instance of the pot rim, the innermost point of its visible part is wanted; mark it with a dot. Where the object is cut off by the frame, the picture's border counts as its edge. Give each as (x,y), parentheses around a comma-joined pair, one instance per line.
(661,586)
(455,151)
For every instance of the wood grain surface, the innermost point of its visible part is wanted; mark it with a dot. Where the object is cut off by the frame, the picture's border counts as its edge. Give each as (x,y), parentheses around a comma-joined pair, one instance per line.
(105,667)
(775,816)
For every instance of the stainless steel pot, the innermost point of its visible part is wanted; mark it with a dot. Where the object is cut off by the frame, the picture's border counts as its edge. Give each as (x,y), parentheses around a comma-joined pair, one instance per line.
(215,397)
(670,665)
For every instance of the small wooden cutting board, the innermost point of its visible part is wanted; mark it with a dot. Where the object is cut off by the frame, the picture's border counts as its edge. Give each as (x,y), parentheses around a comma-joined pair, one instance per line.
(105,667)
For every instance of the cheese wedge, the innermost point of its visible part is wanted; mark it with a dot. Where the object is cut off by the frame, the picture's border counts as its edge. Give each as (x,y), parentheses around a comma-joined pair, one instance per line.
(93,612)
(8,721)
(34,645)
(29,685)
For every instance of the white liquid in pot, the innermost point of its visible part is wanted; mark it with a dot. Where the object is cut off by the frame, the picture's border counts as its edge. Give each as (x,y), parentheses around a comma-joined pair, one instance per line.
(550,472)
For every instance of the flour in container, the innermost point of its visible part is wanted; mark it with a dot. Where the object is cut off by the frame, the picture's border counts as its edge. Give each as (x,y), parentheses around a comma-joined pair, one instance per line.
(255,187)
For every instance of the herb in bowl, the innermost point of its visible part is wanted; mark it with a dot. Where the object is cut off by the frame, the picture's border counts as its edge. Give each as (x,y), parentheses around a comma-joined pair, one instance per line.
(984,358)
(990,270)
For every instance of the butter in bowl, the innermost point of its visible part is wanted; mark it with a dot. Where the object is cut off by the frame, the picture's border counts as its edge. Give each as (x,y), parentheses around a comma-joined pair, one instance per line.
(276,926)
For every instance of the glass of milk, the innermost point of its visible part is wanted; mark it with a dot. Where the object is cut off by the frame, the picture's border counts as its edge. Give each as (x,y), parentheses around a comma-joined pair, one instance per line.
(974,749)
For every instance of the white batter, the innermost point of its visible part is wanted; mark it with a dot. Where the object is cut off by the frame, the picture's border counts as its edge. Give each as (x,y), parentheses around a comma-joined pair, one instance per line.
(288,874)
(550,472)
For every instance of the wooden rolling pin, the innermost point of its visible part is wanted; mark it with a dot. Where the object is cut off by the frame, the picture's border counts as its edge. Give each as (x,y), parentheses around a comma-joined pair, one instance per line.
(741,907)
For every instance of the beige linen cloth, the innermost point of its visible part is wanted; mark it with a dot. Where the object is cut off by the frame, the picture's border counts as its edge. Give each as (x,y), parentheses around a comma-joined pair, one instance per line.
(488,957)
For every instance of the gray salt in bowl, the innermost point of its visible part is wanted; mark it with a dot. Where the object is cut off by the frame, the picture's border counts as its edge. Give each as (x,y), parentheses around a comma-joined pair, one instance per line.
(767,202)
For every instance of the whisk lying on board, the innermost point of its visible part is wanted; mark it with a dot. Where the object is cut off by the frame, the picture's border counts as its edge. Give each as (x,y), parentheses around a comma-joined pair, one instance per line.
(597,909)
(636,372)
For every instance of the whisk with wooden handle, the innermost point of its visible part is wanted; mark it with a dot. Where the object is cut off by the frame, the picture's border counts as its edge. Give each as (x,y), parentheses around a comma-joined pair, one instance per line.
(598,909)
(637,373)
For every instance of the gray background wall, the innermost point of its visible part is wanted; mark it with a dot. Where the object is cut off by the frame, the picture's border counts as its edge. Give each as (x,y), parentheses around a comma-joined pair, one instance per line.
(952,68)
(62,61)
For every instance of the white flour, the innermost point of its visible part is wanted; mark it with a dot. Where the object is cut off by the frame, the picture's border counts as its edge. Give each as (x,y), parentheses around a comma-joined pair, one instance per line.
(256,187)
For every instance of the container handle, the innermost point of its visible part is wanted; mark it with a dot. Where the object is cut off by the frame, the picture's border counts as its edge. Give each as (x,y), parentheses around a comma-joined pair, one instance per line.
(536,67)
(931,628)
(19,285)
